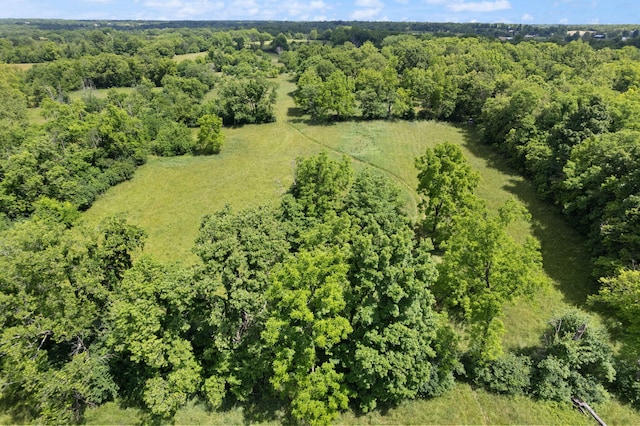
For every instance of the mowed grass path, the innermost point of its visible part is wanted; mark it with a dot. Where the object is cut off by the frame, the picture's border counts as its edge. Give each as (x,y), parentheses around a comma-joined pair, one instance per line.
(169,196)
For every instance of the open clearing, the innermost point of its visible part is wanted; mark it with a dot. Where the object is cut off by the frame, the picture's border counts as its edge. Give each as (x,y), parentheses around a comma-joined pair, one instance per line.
(191,56)
(169,196)
(23,67)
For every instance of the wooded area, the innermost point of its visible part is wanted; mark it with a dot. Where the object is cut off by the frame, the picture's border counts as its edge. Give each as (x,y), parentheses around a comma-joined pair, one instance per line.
(336,298)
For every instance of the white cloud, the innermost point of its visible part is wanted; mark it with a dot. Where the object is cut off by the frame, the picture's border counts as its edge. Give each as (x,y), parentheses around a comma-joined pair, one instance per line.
(527,17)
(244,4)
(373,4)
(483,6)
(365,14)
(196,9)
(171,4)
(180,9)
(307,11)
(371,11)
(563,21)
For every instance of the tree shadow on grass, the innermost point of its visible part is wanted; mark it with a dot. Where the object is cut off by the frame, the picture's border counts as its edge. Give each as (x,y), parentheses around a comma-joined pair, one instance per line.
(322,122)
(261,409)
(565,253)
(382,409)
(18,411)
(295,112)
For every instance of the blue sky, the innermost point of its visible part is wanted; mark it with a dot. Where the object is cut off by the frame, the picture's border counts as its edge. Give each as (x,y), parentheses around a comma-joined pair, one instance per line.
(511,11)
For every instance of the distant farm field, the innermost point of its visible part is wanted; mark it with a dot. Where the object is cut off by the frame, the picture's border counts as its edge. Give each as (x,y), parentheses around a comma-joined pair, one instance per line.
(169,196)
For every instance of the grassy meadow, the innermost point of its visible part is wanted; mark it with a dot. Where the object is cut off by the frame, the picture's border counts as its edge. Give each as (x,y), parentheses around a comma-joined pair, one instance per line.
(23,67)
(192,56)
(98,93)
(169,196)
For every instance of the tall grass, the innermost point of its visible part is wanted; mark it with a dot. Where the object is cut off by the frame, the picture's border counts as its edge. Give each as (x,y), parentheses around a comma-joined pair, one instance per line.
(461,405)
(464,405)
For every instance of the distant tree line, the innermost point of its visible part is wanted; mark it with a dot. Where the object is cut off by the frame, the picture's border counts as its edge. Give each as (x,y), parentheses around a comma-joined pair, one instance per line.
(46,40)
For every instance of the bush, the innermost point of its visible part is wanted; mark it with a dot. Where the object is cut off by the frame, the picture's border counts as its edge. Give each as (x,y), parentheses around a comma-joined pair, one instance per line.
(210,136)
(576,360)
(446,363)
(551,380)
(627,384)
(510,374)
(172,139)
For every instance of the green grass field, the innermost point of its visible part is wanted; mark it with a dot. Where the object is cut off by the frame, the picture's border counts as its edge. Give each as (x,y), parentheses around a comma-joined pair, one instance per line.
(23,67)
(99,93)
(169,196)
(192,56)
(461,405)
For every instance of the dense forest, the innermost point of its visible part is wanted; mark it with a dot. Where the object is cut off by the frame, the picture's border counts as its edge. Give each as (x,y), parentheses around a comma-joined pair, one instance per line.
(336,298)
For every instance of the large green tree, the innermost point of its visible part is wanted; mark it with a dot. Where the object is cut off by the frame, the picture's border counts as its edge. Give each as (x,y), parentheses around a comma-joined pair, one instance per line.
(238,252)
(376,91)
(446,185)
(326,98)
(483,267)
(305,323)
(389,355)
(318,191)
(13,106)
(338,95)
(54,294)
(307,95)
(147,323)
(601,191)
(620,294)
(246,101)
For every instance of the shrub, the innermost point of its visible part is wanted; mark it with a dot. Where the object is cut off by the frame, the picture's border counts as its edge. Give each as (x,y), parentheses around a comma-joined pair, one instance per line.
(627,384)
(210,136)
(173,139)
(509,374)
(446,363)
(576,360)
